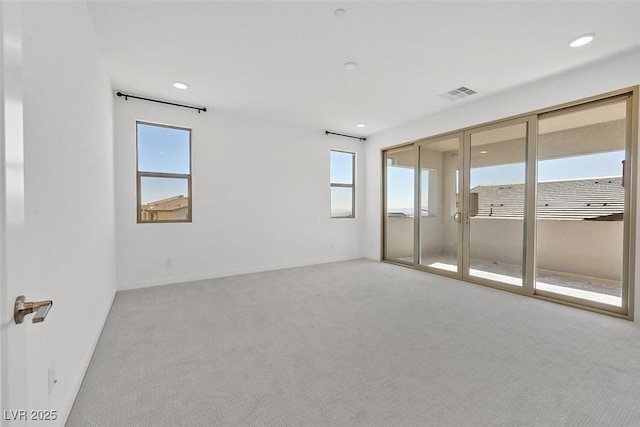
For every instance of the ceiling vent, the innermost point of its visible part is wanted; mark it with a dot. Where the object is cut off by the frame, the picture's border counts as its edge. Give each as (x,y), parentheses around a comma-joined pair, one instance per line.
(455,94)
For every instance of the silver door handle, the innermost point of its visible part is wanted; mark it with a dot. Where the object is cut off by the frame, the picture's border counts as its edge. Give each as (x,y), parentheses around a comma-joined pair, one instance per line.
(457,217)
(22,308)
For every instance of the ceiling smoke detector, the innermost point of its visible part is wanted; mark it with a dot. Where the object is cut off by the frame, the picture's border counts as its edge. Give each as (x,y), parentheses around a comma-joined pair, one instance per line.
(459,93)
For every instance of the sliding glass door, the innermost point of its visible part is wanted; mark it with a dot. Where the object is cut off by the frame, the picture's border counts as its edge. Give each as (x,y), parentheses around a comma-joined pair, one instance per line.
(540,205)
(496,199)
(440,204)
(399,205)
(582,183)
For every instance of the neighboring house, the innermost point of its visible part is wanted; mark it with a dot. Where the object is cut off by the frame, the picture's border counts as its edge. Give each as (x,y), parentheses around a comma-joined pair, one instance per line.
(596,199)
(173,208)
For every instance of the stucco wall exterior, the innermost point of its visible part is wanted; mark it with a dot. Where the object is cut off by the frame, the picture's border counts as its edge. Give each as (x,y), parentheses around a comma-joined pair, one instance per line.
(586,248)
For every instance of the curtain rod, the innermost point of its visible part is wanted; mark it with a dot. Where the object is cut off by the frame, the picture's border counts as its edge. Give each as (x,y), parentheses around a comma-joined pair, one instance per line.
(127,96)
(326,132)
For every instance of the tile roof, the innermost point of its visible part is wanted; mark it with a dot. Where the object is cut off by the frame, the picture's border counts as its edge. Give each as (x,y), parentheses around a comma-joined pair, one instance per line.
(170,204)
(593,198)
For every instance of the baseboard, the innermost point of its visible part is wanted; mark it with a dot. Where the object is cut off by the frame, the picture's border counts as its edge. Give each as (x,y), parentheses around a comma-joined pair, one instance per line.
(226,273)
(65,410)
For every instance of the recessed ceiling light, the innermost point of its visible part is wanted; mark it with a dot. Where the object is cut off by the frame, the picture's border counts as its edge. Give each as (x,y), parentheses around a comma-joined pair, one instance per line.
(180,85)
(361,125)
(483,152)
(582,40)
(339,12)
(350,66)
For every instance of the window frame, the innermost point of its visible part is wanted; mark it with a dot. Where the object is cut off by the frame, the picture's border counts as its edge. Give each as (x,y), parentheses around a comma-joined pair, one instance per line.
(342,185)
(145,174)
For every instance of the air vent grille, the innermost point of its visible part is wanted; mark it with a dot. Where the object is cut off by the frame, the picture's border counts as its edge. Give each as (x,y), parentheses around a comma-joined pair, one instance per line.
(459,93)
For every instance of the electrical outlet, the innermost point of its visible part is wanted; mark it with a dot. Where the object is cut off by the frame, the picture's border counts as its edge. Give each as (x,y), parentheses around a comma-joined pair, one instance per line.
(52,377)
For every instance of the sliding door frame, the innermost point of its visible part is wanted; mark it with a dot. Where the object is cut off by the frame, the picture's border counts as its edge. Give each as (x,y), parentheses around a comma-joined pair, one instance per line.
(528,238)
(629,215)
(529,260)
(383,248)
(418,205)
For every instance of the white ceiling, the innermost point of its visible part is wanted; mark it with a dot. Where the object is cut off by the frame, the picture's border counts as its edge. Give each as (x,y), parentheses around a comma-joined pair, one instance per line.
(284,60)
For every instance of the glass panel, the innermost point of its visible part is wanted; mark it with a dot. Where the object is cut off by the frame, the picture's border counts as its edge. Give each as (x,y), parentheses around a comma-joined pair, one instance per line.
(164,199)
(438,204)
(497,200)
(341,202)
(399,217)
(580,206)
(341,167)
(163,149)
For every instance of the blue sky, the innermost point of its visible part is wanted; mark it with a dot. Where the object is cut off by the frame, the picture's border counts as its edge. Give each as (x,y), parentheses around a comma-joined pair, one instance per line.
(400,180)
(154,189)
(163,149)
(341,169)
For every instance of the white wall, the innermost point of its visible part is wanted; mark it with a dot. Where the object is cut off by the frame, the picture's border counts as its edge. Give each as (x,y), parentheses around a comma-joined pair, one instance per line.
(69,197)
(614,73)
(260,199)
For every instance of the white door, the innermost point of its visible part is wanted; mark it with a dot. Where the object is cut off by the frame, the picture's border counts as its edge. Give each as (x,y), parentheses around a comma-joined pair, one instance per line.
(13,344)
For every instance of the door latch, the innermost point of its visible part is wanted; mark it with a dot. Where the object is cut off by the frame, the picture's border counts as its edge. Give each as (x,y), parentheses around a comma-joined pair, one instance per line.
(22,308)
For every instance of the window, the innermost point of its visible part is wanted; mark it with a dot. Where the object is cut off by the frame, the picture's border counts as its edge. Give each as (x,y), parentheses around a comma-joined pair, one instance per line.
(164,173)
(343,184)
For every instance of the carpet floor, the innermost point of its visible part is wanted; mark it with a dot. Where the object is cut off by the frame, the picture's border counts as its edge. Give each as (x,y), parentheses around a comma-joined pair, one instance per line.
(356,343)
